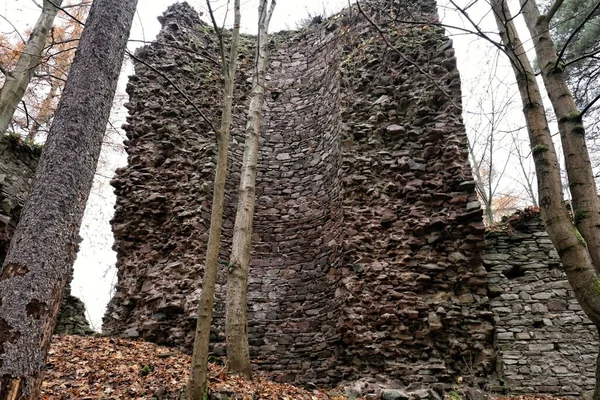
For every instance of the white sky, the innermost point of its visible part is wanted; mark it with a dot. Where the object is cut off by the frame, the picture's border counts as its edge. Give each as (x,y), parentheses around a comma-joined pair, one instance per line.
(94,269)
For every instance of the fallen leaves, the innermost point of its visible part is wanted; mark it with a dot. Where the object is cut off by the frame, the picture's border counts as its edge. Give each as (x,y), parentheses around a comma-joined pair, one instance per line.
(84,368)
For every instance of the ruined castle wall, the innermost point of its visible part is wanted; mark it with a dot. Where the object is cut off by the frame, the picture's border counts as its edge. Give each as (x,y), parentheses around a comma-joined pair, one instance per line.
(367,230)
(298,211)
(163,206)
(163,197)
(544,342)
(416,305)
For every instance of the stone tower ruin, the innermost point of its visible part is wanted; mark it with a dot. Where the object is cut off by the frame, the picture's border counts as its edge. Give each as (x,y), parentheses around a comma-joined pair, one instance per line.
(368,235)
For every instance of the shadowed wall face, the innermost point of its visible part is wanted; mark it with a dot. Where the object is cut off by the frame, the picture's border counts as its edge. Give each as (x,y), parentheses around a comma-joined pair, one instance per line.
(367,228)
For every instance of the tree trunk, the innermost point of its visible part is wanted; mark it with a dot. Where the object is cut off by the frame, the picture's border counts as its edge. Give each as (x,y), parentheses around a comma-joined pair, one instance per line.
(43,247)
(565,236)
(238,355)
(198,383)
(586,205)
(18,79)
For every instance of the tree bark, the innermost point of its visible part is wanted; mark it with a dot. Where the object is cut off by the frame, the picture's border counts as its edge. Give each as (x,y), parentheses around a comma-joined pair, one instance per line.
(238,355)
(564,234)
(586,205)
(43,247)
(198,383)
(18,79)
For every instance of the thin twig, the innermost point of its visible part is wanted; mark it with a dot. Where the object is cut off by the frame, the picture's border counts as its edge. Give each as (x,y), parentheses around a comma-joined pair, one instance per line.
(26,114)
(66,12)
(590,104)
(14,27)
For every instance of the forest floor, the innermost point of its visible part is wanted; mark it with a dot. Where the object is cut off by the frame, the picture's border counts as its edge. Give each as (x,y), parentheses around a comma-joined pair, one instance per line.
(87,367)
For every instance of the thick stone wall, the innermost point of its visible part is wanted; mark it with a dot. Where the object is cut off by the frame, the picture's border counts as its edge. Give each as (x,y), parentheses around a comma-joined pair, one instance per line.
(414,290)
(367,228)
(544,342)
(18,161)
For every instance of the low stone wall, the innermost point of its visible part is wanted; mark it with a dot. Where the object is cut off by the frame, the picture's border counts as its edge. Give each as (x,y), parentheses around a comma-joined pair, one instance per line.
(544,342)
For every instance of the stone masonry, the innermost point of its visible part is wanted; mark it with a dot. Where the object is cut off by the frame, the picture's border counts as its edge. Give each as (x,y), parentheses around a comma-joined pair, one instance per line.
(368,235)
(367,230)
(544,342)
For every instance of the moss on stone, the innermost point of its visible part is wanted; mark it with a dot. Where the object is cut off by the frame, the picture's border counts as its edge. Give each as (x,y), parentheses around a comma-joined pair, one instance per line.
(596,289)
(19,144)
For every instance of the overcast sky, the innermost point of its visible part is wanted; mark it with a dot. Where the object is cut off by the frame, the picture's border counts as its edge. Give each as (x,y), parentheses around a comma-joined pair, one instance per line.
(94,268)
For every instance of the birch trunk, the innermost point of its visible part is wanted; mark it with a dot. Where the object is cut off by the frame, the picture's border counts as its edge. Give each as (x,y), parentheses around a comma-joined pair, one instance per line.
(238,357)
(198,383)
(42,250)
(565,236)
(586,205)
(18,79)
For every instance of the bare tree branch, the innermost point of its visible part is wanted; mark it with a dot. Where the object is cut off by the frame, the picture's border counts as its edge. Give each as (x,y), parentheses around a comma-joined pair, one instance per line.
(575,31)
(14,27)
(219,32)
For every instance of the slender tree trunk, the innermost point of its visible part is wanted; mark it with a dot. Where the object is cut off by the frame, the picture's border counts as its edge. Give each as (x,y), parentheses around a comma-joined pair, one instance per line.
(586,205)
(42,250)
(480,185)
(238,357)
(198,383)
(18,79)
(565,236)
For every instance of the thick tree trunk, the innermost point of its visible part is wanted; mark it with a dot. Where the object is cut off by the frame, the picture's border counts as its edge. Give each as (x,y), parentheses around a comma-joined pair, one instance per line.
(565,236)
(198,383)
(238,356)
(18,79)
(586,205)
(43,247)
